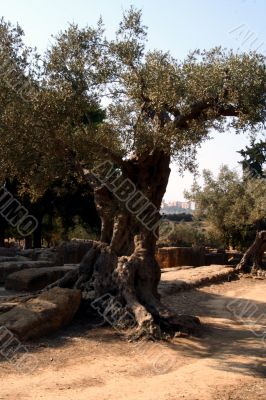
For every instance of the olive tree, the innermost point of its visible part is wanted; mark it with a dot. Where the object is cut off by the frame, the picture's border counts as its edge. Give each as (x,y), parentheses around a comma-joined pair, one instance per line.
(157,109)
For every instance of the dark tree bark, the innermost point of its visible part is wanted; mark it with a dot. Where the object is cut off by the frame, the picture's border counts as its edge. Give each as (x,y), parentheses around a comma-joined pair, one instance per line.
(28,242)
(123,263)
(3,226)
(253,257)
(37,235)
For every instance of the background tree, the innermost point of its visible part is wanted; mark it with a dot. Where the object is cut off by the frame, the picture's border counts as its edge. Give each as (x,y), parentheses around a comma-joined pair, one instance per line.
(235,207)
(71,203)
(157,109)
(231,204)
(254,159)
(254,166)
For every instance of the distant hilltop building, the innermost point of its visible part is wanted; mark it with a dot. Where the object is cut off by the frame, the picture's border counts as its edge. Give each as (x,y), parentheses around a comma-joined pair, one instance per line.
(176,207)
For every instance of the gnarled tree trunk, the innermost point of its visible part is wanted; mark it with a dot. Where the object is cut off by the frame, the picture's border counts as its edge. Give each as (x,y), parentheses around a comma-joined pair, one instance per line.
(253,257)
(123,263)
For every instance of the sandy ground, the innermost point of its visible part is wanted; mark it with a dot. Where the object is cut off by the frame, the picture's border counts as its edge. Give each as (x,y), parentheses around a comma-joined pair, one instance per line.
(227,361)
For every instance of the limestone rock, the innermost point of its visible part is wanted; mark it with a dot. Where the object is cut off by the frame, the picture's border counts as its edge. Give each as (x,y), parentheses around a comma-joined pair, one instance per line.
(8,251)
(42,315)
(31,279)
(7,268)
(176,280)
(169,257)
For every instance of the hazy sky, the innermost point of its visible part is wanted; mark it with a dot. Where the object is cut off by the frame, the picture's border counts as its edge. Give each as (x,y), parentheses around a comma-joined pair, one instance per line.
(178,26)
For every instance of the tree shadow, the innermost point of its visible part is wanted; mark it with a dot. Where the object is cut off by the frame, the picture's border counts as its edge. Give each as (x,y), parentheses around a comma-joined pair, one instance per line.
(233,333)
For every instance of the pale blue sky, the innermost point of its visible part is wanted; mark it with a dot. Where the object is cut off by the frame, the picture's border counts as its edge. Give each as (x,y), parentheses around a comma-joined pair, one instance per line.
(178,26)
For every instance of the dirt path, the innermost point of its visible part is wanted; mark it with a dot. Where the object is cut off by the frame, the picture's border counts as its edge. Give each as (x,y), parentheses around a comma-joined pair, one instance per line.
(226,363)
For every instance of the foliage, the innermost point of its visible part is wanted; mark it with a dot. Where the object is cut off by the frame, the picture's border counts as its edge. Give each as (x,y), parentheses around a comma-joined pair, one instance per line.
(180,217)
(60,209)
(230,203)
(192,234)
(254,159)
(152,101)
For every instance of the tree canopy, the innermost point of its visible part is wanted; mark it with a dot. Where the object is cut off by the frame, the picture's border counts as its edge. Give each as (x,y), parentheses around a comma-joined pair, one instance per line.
(148,99)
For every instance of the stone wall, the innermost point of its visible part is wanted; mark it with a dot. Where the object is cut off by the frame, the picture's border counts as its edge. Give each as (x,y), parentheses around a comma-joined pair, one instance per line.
(169,257)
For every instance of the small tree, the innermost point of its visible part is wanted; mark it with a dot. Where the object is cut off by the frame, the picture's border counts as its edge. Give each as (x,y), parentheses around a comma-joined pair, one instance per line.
(253,166)
(157,109)
(254,159)
(231,204)
(235,206)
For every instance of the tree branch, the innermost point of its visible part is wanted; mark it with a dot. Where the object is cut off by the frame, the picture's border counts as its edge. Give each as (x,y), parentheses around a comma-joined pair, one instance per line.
(198,108)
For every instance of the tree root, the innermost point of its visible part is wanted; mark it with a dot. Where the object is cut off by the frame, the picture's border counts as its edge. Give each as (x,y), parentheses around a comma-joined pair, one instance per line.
(252,259)
(123,291)
(137,288)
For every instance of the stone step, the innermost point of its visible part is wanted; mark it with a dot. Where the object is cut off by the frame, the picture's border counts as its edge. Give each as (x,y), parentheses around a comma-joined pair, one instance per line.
(174,281)
(6,293)
(7,268)
(8,251)
(32,279)
(39,316)
(15,258)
